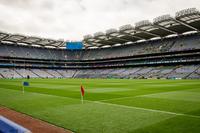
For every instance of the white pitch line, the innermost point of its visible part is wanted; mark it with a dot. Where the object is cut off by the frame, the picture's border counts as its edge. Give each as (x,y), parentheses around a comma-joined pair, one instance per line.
(152,110)
(145,95)
(117,98)
(124,106)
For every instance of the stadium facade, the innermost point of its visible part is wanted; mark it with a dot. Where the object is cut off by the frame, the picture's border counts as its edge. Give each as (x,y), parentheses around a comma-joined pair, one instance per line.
(168,47)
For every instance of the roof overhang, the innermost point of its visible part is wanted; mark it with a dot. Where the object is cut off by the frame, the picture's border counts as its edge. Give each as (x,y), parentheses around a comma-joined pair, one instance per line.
(30,41)
(185,21)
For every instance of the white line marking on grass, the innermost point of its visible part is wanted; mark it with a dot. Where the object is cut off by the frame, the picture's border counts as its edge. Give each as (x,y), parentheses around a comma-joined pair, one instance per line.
(102,90)
(163,85)
(181,95)
(152,110)
(118,105)
(119,98)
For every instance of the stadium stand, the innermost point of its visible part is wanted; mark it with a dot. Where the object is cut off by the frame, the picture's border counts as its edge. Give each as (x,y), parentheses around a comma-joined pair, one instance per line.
(165,48)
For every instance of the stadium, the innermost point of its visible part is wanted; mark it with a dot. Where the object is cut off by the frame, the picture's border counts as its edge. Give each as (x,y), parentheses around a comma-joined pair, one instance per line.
(141,78)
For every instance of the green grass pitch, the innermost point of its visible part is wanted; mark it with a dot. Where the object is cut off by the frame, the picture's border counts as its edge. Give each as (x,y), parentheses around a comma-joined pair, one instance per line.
(110,105)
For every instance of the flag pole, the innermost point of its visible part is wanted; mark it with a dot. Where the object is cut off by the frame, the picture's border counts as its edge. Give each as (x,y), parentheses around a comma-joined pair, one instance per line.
(81,92)
(22,87)
(81,99)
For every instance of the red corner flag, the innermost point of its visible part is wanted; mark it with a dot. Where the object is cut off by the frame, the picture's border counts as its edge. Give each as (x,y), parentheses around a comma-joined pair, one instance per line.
(82,91)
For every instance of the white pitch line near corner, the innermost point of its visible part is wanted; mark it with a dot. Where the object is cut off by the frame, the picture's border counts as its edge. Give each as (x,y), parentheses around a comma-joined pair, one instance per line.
(123,106)
(119,98)
(145,109)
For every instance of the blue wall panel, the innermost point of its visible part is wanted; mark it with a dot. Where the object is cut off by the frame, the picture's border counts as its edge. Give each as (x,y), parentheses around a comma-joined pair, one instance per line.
(74,45)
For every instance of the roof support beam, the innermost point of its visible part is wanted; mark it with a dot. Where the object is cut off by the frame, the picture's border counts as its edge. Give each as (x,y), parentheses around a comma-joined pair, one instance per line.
(61,44)
(118,38)
(178,21)
(148,33)
(6,37)
(36,42)
(91,43)
(163,28)
(20,41)
(130,35)
(113,42)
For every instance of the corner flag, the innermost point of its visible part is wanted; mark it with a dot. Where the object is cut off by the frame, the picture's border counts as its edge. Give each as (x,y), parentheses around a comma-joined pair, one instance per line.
(82,93)
(25,83)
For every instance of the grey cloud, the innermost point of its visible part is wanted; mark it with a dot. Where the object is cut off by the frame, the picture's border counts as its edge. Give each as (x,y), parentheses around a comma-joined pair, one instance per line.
(71,19)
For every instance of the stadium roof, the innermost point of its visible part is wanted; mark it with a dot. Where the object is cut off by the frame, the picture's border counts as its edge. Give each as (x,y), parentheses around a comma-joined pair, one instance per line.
(187,20)
(184,21)
(29,40)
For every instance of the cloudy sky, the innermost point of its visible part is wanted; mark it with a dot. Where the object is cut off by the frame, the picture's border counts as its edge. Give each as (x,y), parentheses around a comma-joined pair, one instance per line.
(72,19)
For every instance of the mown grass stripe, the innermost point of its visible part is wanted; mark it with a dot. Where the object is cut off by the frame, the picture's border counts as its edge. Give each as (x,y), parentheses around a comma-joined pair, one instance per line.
(123,106)
(56,101)
(146,109)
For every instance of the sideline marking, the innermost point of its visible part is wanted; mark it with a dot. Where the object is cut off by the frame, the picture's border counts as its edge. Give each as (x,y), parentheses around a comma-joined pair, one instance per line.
(152,110)
(123,106)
